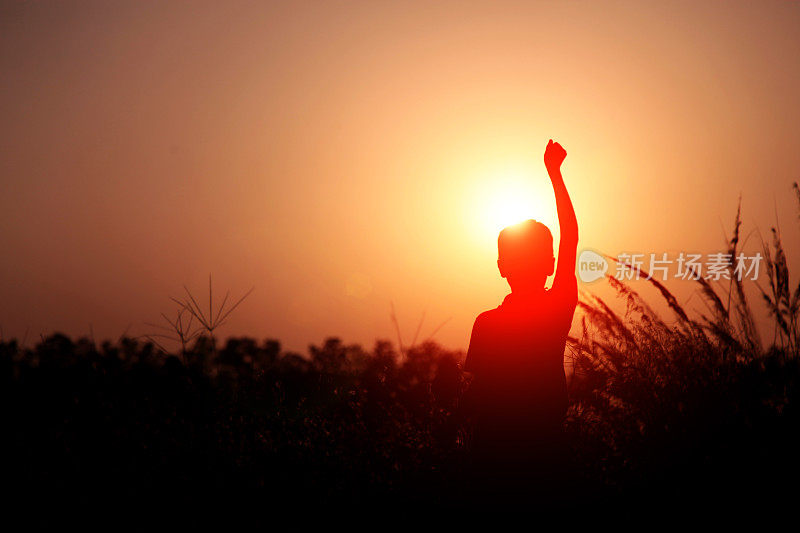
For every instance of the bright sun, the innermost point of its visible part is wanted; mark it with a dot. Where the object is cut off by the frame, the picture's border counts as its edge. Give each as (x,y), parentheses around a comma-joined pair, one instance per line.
(512,198)
(508,207)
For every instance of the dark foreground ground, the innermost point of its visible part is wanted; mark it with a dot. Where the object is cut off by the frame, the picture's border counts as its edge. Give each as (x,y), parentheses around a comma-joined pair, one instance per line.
(123,435)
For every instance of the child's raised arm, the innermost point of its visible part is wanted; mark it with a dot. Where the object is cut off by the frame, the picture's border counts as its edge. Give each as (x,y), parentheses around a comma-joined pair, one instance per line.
(554,155)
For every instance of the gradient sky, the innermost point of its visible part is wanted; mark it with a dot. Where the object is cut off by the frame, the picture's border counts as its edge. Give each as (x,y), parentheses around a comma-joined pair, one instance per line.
(343,156)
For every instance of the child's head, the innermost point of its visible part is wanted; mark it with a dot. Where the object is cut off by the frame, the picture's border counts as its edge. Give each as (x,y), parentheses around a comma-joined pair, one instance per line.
(525,255)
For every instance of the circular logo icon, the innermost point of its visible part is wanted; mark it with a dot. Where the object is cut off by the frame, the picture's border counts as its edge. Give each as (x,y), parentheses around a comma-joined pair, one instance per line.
(591,266)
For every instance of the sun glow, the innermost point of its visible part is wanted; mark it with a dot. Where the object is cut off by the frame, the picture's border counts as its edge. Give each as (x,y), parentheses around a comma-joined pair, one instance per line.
(512,198)
(507,208)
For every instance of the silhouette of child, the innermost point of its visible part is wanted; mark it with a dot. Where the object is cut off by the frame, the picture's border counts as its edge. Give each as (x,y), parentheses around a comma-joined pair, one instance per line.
(518,392)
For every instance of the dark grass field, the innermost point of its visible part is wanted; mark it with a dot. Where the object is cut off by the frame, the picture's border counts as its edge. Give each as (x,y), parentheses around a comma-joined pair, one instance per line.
(248,431)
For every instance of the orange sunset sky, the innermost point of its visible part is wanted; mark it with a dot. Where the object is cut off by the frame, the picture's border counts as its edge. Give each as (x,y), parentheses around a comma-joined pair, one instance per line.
(343,156)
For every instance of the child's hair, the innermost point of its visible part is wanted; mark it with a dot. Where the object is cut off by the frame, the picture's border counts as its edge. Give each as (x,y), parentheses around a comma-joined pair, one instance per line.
(529,239)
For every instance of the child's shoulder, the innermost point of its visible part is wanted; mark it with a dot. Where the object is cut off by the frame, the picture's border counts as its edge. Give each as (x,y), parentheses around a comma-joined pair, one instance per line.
(487,317)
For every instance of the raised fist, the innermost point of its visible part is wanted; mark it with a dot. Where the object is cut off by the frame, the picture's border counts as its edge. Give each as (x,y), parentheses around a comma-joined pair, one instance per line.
(554,155)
